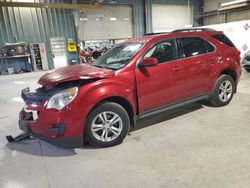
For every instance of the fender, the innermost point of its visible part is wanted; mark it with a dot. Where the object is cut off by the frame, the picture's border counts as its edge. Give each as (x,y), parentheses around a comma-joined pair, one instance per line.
(103,89)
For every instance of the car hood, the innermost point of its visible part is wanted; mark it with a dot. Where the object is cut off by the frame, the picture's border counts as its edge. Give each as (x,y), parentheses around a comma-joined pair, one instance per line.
(74,72)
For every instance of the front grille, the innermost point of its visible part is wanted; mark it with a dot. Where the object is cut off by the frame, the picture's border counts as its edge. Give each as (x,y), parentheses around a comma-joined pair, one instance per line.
(41,94)
(37,97)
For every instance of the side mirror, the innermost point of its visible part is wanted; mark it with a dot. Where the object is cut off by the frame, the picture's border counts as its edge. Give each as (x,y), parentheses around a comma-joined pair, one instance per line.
(148,62)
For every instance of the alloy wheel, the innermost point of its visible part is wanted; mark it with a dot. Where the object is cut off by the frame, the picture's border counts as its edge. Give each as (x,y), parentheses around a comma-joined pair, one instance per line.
(225,91)
(106,126)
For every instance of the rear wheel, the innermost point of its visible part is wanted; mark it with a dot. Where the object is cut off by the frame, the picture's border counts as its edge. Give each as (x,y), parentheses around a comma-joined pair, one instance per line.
(107,125)
(224,91)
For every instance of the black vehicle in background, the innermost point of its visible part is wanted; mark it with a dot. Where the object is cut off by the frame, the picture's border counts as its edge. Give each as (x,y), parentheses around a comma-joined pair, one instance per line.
(246,61)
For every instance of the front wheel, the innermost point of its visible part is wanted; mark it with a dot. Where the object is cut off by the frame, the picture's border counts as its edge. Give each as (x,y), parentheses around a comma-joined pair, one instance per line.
(107,125)
(223,91)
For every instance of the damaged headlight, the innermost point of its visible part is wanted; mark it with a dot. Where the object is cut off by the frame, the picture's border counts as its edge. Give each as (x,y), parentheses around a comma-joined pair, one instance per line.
(63,98)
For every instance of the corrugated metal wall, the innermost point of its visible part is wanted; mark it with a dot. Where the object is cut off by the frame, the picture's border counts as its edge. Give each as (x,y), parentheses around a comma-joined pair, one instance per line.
(36,25)
(139,17)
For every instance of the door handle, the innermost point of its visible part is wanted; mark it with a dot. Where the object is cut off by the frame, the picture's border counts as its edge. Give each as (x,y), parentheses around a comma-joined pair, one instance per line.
(212,60)
(215,59)
(177,68)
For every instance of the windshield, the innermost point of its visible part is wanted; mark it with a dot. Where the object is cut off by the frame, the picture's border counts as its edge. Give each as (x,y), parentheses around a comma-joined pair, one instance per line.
(118,56)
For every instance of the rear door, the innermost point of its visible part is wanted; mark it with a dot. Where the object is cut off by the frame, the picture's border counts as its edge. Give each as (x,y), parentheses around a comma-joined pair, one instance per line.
(197,54)
(159,85)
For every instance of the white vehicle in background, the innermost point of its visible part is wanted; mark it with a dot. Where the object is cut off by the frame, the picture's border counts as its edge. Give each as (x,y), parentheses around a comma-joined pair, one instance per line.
(246,61)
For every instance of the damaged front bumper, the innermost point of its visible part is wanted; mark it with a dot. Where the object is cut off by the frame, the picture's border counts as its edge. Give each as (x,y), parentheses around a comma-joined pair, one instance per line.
(62,128)
(26,118)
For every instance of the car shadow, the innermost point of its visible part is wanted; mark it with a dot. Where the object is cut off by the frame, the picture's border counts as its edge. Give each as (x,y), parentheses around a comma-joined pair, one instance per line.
(165,116)
(35,146)
(38,147)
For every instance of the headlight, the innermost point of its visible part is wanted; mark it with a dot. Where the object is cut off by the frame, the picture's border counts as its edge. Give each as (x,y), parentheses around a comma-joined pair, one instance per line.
(63,98)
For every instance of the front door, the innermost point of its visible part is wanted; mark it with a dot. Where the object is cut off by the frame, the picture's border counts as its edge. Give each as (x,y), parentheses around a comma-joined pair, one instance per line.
(159,85)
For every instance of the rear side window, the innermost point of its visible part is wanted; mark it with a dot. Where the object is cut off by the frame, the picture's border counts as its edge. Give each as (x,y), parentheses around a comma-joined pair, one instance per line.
(223,39)
(210,47)
(193,46)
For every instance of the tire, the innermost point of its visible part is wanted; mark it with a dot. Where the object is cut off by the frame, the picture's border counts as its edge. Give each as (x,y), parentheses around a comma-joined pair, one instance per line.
(223,91)
(107,125)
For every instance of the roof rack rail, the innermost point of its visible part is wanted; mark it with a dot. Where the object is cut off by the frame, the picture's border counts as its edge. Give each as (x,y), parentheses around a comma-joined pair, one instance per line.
(192,30)
(182,30)
(156,33)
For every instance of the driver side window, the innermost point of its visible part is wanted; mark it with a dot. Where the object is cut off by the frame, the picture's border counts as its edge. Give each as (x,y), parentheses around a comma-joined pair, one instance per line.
(163,51)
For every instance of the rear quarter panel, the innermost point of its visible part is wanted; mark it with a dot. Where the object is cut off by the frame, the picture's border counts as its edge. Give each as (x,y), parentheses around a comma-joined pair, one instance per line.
(228,58)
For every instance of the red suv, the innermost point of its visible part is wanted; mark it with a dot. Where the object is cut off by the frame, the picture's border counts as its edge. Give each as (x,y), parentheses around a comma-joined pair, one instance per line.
(98,103)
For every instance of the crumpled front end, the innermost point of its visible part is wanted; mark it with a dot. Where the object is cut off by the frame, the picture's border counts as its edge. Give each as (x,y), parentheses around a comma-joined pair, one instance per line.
(62,127)
(53,111)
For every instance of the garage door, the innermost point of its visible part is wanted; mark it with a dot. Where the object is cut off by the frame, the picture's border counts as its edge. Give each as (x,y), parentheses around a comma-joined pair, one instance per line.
(58,46)
(168,17)
(108,22)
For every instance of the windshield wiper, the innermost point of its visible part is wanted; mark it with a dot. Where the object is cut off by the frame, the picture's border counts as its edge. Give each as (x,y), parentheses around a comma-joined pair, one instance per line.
(97,66)
(104,67)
